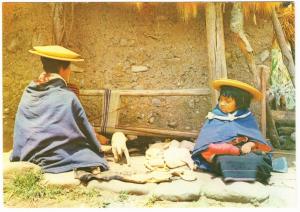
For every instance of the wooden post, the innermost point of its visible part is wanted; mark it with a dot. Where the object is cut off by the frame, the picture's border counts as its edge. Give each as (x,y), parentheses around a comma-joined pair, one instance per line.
(267,120)
(273,134)
(215,45)
(286,53)
(263,123)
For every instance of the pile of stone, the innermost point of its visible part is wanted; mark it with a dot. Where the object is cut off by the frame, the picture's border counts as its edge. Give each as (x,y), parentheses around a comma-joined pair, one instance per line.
(285,124)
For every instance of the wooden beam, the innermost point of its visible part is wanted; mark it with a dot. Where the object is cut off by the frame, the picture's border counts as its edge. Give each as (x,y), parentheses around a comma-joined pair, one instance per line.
(112,130)
(215,45)
(175,92)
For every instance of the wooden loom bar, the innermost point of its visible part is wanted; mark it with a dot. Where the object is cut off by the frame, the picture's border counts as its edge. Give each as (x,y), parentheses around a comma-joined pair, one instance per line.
(150,132)
(177,92)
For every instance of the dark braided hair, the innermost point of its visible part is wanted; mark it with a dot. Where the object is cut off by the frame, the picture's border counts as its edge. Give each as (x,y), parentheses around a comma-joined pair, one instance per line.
(241,97)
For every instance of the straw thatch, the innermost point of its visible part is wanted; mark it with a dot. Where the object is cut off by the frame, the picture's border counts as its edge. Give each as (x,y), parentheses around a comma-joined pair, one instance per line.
(287,19)
(188,10)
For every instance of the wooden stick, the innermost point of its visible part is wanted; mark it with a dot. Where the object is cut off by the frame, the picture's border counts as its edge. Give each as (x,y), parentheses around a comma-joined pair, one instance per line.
(287,55)
(177,92)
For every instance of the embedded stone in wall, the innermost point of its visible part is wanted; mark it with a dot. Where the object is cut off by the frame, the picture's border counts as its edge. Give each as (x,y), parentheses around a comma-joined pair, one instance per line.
(172,124)
(123,42)
(6,111)
(293,136)
(264,55)
(156,102)
(139,68)
(151,120)
(131,137)
(285,130)
(76,69)
(39,40)
(13,45)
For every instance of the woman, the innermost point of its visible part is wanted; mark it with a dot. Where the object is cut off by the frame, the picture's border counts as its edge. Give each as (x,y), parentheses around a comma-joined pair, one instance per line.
(51,127)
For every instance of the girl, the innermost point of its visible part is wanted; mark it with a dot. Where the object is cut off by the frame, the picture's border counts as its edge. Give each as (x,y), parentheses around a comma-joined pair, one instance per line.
(230,143)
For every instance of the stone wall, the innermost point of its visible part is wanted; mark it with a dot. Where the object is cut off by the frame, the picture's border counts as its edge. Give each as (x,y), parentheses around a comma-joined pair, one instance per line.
(125,49)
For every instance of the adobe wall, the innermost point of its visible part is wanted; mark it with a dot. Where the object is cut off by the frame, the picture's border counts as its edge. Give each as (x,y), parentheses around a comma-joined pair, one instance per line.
(114,39)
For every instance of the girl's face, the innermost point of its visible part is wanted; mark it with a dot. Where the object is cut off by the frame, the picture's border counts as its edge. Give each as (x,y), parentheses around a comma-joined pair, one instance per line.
(227,104)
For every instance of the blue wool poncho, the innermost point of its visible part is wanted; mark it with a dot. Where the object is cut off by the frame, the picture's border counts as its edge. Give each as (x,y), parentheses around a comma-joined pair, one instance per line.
(52,130)
(220,131)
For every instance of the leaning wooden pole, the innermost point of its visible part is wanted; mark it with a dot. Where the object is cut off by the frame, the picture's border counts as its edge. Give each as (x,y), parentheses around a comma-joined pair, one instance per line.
(286,53)
(215,45)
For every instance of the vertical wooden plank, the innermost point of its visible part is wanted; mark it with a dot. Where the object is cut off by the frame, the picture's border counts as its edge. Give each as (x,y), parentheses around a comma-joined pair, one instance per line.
(220,58)
(215,45)
(210,16)
(114,105)
(263,103)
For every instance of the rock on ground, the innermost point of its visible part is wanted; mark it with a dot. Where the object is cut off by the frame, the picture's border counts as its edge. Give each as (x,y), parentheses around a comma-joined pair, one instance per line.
(243,192)
(119,186)
(178,190)
(65,179)
(11,169)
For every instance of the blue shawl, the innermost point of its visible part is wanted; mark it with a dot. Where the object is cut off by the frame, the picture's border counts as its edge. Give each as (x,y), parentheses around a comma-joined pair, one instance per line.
(220,131)
(52,130)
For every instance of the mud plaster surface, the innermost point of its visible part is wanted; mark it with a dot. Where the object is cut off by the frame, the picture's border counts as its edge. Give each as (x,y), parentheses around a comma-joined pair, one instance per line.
(112,38)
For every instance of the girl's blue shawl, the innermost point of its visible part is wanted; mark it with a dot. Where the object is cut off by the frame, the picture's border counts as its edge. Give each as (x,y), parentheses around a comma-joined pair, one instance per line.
(219,131)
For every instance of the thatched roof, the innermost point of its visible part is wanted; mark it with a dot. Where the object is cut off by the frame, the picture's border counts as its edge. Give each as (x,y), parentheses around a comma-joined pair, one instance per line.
(287,20)
(188,10)
(251,10)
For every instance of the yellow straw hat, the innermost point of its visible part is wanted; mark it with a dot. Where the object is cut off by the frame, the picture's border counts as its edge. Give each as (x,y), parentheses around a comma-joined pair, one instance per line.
(217,84)
(56,52)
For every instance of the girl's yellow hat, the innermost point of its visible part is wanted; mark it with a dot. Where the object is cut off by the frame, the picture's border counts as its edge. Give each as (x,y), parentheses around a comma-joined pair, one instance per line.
(217,84)
(56,52)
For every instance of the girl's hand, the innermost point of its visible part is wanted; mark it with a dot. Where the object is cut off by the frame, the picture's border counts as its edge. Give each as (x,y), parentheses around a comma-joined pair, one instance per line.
(246,148)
